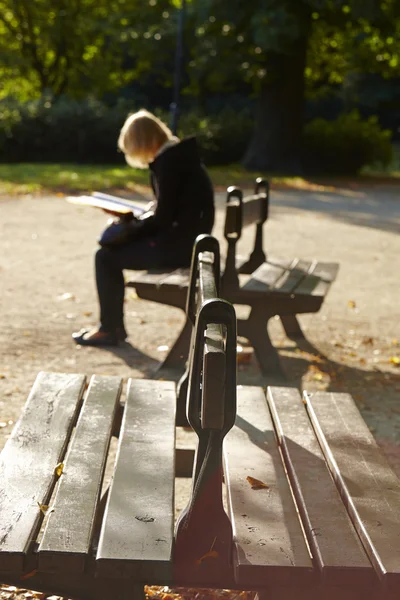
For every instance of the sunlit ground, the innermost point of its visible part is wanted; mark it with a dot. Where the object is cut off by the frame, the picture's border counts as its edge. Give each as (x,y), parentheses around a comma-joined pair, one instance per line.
(31,178)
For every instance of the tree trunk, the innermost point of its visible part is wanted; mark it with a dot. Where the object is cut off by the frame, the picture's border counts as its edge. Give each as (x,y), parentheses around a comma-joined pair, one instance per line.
(276,142)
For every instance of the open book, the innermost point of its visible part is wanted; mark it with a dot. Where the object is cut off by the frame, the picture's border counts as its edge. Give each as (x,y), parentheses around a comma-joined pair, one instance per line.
(111,203)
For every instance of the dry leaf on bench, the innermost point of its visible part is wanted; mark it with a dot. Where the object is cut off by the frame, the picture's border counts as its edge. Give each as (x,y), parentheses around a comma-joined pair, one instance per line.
(210,554)
(59,469)
(256,484)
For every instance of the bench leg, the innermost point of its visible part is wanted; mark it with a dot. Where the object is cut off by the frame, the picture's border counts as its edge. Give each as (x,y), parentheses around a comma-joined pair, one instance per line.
(255,329)
(178,355)
(292,327)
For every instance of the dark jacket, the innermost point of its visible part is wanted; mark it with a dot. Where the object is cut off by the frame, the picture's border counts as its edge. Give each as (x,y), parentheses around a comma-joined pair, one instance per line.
(185,198)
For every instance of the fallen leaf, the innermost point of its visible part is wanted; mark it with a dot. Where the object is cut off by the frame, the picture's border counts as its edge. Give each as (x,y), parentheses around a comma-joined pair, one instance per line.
(45,508)
(210,554)
(368,341)
(395,342)
(351,304)
(256,484)
(395,360)
(87,313)
(59,469)
(30,574)
(2,376)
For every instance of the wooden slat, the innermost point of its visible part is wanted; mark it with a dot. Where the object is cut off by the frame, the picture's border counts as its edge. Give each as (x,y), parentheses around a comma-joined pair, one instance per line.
(369,487)
(214,364)
(294,276)
(266,276)
(179,278)
(252,209)
(149,277)
(207,284)
(319,281)
(137,532)
(29,458)
(67,537)
(334,543)
(269,543)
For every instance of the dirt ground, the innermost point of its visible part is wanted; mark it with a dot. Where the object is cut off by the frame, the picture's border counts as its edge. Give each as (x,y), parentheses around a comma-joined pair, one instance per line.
(47,292)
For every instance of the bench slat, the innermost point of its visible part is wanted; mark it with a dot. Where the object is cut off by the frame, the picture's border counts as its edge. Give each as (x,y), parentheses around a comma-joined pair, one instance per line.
(369,487)
(269,541)
(253,208)
(178,278)
(294,276)
(137,532)
(334,543)
(152,277)
(319,281)
(266,276)
(67,537)
(29,459)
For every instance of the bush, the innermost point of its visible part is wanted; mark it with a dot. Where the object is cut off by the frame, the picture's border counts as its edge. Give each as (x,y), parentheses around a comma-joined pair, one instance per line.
(66,131)
(344,146)
(87,131)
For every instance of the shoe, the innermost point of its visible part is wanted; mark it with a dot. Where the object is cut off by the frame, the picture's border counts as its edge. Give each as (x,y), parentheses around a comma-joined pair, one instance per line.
(95,337)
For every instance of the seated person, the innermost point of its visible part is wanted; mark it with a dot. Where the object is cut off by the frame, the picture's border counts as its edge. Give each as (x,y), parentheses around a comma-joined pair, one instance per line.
(160,238)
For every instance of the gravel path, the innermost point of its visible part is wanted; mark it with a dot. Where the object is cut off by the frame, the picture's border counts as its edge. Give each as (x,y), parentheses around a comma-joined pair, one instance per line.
(47,292)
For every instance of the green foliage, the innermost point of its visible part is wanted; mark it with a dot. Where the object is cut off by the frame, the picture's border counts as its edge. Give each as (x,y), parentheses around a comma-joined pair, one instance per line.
(67,130)
(86,131)
(223,137)
(344,146)
(80,46)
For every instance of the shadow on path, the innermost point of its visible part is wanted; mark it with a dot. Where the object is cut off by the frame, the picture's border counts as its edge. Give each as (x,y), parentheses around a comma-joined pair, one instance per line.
(134,358)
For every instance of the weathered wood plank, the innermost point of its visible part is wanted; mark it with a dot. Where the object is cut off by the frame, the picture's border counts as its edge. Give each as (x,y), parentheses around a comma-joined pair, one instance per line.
(29,459)
(368,486)
(319,281)
(179,278)
(137,532)
(68,533)
(334,543)
(266,277)
(294,276)
(253,209)
(269,542)
(153,277)
(214,365)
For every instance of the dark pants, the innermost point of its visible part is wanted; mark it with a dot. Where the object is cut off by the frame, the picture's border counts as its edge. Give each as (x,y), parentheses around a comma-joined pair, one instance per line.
(137,255)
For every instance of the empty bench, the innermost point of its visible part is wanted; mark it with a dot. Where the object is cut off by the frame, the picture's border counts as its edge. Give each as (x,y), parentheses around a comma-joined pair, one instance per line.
(278,286)
(290,496)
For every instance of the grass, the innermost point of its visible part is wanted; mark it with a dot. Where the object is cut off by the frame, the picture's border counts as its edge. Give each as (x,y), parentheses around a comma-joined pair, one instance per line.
(30,178)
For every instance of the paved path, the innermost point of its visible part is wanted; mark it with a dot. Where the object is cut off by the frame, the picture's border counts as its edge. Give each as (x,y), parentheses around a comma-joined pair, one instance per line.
(47,291)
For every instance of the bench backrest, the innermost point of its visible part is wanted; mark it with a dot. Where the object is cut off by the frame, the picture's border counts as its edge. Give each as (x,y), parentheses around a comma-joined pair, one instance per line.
(210,408)
(243,211)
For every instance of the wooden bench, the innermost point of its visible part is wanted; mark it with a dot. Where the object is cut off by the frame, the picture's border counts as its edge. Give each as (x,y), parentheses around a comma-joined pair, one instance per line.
(290,496)
(269,286)
(170,287)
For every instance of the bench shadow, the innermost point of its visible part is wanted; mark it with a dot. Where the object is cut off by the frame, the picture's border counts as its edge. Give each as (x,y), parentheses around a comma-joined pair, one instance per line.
(315,463)
(134,358)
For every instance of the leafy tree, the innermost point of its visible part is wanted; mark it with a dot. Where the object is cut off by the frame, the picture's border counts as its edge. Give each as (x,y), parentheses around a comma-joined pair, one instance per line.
(81,47)
(282,48)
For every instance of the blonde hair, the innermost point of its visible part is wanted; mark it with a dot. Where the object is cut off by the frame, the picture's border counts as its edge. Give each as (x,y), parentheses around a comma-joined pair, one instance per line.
(141,137)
